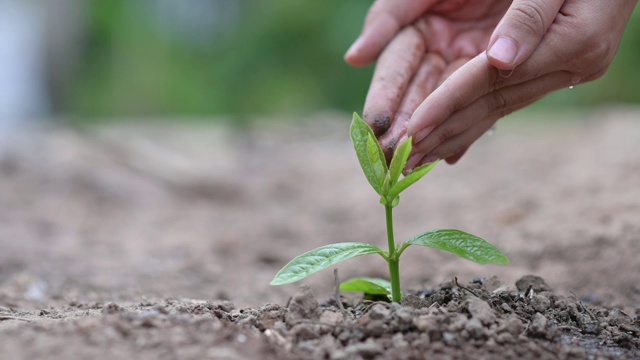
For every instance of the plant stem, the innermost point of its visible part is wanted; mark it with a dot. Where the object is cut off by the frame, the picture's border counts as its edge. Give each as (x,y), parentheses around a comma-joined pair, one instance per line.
(394,261)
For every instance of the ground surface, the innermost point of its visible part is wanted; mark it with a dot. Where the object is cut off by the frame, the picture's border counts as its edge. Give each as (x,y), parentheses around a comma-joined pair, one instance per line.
(125,241)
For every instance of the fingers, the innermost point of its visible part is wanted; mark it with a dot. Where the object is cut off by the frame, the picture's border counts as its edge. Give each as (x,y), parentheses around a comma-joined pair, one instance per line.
(470,82)
(451,160)
(520,31)
(426,79)
(468,124)
(396,66)
(451,68)
(463,87)
(384,20)
(460,142)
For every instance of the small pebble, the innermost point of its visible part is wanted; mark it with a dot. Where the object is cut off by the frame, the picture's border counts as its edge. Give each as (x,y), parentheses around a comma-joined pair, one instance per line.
(540,303)
(536,282)
(513,326)
(331,317)
(379,312)
(425,322)
(538,324)
(504,338)
(481,310)
(474,328)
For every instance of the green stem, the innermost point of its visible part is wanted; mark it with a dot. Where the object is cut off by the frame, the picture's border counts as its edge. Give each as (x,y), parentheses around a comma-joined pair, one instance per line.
(394,262)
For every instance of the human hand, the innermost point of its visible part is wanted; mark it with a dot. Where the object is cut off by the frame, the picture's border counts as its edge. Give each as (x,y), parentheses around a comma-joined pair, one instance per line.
(418,57)
(561,48)
(573,42)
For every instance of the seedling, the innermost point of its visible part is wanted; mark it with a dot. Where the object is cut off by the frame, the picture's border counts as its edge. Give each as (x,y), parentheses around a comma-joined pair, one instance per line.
(386,181)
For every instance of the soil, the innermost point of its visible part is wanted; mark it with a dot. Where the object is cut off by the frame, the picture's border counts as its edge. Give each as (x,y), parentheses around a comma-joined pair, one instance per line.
(156,240)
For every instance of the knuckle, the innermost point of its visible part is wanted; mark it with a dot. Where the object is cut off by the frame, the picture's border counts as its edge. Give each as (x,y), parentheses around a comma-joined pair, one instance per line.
(504,112)
(496,102)
(592,60)
(445,134)
(596,50)
(596,56)
(442,137)
(530,16)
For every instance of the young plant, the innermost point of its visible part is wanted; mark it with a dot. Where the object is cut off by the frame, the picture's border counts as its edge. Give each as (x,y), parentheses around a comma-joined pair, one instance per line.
(386,181)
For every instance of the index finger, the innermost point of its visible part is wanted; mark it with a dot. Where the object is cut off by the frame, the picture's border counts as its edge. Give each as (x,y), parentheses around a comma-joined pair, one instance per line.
(425,80)
(384,20)
(471,81)
(396,66)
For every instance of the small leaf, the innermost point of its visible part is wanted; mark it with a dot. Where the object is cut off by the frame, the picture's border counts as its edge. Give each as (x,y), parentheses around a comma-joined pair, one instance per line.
(321,258)
(395,202)
(460,243)
(378,161)
(367,285)
(369,153)
(399,161)
(410,179)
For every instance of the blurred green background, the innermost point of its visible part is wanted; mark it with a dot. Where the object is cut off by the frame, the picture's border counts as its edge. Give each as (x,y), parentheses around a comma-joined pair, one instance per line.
(233,57)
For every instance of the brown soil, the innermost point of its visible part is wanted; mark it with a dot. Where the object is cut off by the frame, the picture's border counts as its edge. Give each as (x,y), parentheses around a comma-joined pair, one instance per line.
(159,241)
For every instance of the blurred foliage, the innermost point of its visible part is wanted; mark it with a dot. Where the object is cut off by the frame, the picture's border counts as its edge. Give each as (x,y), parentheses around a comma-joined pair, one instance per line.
(280,56)
(273,57)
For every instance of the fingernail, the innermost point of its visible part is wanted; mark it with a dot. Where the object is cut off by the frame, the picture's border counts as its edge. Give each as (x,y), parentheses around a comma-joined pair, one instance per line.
(412,161)
(402,139)
(354,49)
(504,50)
(420,135)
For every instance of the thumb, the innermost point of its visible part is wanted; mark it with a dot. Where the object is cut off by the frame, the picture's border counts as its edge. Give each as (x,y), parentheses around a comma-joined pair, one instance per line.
(384,20)
(520,31)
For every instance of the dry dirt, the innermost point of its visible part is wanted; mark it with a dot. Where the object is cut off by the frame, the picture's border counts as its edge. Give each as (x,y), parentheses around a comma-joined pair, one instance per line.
(158,240)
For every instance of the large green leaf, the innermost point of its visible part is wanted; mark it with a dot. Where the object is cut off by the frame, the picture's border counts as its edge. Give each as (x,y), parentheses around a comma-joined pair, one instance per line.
(410,179)
(369,153)
(367,285)
(460,243)
(399,161)
(321,258)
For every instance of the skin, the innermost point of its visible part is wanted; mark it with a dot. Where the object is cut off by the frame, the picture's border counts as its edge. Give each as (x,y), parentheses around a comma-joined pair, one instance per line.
(447,70)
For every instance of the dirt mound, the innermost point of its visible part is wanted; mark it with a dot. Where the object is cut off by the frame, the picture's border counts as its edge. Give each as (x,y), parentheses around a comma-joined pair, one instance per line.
(481,320)
(124,216)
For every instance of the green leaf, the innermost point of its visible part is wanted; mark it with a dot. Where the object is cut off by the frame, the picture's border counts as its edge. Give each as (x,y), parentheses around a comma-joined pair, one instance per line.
(399,161)
(394,203)
(321,258)
(369,153)
(410,179)
(367,285)
(460,243)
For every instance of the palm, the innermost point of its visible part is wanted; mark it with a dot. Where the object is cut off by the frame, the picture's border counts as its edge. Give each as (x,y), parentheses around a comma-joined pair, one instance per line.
(451,33)
(460,29)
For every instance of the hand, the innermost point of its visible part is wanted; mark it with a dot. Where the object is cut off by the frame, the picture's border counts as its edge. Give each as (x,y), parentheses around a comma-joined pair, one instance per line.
(417,58)
(576,47)
(571,41)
